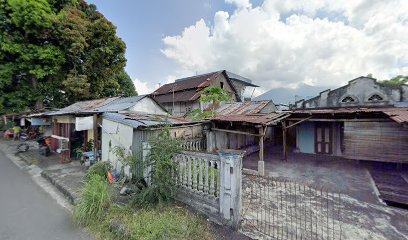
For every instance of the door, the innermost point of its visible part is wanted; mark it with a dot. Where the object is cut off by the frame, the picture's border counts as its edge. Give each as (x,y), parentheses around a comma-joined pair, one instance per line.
(323,138)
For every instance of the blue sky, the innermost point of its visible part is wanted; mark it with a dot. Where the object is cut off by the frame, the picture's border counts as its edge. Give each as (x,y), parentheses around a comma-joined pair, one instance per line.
(143,24)
(277,44)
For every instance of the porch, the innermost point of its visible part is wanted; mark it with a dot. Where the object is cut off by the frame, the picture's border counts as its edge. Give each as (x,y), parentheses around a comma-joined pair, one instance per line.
(337,174)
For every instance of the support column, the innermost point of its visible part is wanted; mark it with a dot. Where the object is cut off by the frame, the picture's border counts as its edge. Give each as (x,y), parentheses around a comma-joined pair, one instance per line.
(284,157)
(261,163)
(95,136)
(231,186)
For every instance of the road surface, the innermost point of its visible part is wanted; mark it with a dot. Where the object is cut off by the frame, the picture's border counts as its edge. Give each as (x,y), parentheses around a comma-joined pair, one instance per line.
(27,212)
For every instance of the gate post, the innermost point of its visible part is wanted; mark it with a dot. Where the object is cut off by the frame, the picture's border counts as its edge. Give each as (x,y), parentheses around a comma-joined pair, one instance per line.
(230,186)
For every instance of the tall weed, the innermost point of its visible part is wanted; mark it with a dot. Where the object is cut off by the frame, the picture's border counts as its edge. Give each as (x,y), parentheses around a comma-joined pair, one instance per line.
(95,200)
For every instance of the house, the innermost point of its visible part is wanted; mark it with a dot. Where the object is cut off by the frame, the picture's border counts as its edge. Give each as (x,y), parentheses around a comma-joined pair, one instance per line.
(183,95)
(362,120)
(246,126)
(78,124)
(129,131)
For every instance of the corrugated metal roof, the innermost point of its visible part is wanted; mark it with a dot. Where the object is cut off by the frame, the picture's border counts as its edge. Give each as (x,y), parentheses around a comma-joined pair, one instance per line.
(194,82)
(249,112)
(121,104)
(242,108)
(184,96)
(241,79)
(85,106)
(263,119)
(398,114)
(144,120)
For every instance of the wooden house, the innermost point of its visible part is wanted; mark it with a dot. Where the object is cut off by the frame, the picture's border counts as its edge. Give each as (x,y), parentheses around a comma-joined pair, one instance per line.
(246,126)
(79,123)
(183,95)
(363,120)
(129,131)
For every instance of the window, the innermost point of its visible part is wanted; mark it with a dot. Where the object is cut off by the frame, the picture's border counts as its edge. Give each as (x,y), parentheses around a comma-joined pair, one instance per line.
(188,109)
(348,100)
(375,97)
(222,84)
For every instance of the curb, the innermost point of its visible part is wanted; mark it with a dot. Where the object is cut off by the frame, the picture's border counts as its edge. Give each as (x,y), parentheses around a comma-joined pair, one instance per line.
(60,187)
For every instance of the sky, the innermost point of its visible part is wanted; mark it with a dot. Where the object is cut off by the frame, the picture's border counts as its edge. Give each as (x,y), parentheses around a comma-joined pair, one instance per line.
(277,44)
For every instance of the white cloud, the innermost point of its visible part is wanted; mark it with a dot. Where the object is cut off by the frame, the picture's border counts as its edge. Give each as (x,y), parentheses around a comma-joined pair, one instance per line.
(240,3)
(143,87)
(286,43)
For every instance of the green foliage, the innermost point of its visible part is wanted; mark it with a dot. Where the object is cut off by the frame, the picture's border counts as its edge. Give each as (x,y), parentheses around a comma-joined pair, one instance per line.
(164,222)
(163,168)
(128,159)
(95,200)
(214,94)
(395,81)
(122,85)
(54,52)
(199,115)
(100,169)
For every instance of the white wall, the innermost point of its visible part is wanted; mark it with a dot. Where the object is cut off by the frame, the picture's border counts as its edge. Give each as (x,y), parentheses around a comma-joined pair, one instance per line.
(117,135)
(147,105)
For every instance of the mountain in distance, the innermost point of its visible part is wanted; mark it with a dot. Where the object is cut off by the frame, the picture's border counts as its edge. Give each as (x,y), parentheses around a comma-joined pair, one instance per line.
(290,96)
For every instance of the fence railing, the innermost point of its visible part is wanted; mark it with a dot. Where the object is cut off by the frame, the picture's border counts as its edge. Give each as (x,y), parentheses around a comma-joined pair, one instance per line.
(207,182)
(195,144)
(281,209)
(199,172)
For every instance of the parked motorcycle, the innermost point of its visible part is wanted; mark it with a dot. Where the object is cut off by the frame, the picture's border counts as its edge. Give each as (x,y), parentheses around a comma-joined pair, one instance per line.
(23,145)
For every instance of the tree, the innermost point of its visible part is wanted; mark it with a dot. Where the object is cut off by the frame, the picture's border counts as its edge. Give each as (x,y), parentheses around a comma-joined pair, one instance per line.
(213,96)
(395,81)
(121,85)
(56,52)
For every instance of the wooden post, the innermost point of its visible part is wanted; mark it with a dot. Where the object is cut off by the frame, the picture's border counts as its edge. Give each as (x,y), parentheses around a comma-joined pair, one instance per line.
(261,144)
(284,140)
(95,136)
(261,163)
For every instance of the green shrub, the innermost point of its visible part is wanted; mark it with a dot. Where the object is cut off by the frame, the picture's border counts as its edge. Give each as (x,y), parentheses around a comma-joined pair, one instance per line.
(99,168)
(168,223)
(95,200)
(163,169)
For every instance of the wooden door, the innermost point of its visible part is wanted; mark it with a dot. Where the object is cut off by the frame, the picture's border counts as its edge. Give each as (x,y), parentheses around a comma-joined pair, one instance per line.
(323,138)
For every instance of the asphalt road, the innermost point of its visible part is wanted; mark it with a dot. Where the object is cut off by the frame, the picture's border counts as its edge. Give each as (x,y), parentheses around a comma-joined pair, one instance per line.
(27,212)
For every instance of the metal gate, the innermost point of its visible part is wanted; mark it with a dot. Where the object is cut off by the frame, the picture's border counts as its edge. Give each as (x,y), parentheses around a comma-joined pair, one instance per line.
(275,208)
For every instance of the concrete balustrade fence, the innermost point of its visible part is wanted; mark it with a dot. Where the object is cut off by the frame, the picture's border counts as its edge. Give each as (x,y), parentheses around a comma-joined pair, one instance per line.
(210,183)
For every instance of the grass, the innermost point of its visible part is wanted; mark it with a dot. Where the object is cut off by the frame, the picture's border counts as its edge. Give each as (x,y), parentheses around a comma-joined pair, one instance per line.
(161,222)
(95,200)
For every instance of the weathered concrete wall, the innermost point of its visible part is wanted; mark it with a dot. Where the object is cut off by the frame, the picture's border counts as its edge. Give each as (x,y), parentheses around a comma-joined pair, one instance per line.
(115,134)
(360,90)
(147,105)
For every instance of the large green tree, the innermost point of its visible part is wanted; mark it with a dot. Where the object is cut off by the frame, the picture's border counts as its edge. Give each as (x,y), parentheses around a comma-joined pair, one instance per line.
(56,52)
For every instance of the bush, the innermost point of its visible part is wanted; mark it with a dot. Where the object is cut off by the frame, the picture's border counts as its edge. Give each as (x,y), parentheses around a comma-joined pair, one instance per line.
(168,223)
(100,168)
(163,169)
(95,200)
